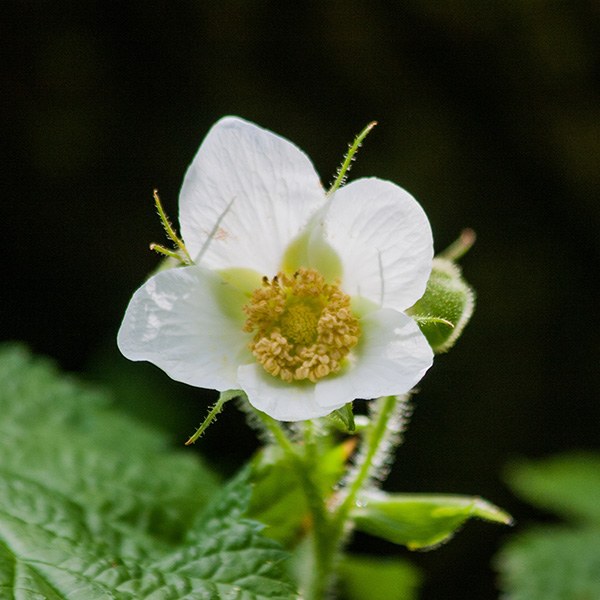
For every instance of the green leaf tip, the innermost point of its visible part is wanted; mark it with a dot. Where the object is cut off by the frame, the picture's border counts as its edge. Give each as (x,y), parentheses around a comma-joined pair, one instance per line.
(421,521)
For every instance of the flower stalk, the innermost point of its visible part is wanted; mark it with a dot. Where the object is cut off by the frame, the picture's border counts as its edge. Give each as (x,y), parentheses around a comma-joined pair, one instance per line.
(302,464)
(331,527)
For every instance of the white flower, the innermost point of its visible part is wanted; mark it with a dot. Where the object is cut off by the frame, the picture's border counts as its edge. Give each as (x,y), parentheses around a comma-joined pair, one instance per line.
(295,297)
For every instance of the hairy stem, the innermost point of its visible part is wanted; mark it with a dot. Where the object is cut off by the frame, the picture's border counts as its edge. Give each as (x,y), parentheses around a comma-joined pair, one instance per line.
(321,572)
(330,529)
(376,435)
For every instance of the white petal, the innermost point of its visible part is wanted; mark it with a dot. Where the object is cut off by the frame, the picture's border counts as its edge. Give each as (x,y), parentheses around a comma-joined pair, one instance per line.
(176,321)
(384,240)
(392,358)
(282,401)
(246,195)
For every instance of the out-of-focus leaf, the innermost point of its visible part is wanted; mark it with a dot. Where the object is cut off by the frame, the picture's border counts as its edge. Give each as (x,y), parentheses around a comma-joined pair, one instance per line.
(568,485)
(369,578)
(551,563)
(277,499)
(556,562)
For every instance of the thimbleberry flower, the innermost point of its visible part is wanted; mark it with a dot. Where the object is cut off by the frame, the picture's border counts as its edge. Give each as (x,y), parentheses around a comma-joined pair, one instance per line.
(292,294)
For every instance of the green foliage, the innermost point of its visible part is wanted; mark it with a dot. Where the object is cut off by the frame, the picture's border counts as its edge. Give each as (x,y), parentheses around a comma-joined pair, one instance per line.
(94,506)
(556,562)
(420,520)
(369,578)
(552,563)
(278,499)
(568,485)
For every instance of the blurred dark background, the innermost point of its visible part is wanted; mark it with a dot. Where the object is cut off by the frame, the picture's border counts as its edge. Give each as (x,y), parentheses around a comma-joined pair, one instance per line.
(488,113)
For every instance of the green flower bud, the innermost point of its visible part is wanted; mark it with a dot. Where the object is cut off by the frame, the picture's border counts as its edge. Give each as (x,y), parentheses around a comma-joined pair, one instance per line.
(446,305)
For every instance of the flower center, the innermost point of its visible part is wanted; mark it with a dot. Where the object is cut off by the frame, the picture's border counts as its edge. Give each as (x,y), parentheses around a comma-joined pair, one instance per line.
(303,327)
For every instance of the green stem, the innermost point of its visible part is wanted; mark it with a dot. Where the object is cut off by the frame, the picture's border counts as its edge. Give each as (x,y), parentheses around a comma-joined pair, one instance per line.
(321,572)
(329,530)
(376,435)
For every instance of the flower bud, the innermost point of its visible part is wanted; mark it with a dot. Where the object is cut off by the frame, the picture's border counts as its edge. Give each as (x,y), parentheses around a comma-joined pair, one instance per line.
(445,307)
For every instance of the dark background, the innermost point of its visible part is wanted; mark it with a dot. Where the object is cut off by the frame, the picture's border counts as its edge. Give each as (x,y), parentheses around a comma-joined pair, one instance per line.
(488,113)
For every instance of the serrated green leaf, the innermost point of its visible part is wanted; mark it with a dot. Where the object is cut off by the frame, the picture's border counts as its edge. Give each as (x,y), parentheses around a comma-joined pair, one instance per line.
(420,520)
(95,506)
(370,578)
(65,436)
(568,485)
(551,563)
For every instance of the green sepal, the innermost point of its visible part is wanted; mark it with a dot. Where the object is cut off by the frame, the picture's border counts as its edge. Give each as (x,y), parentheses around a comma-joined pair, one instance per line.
(225,396)
(445,307)
(420,521)
(343,418)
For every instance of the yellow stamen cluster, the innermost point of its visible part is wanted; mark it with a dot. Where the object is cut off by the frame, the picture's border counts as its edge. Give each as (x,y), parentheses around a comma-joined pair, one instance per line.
(304,327)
